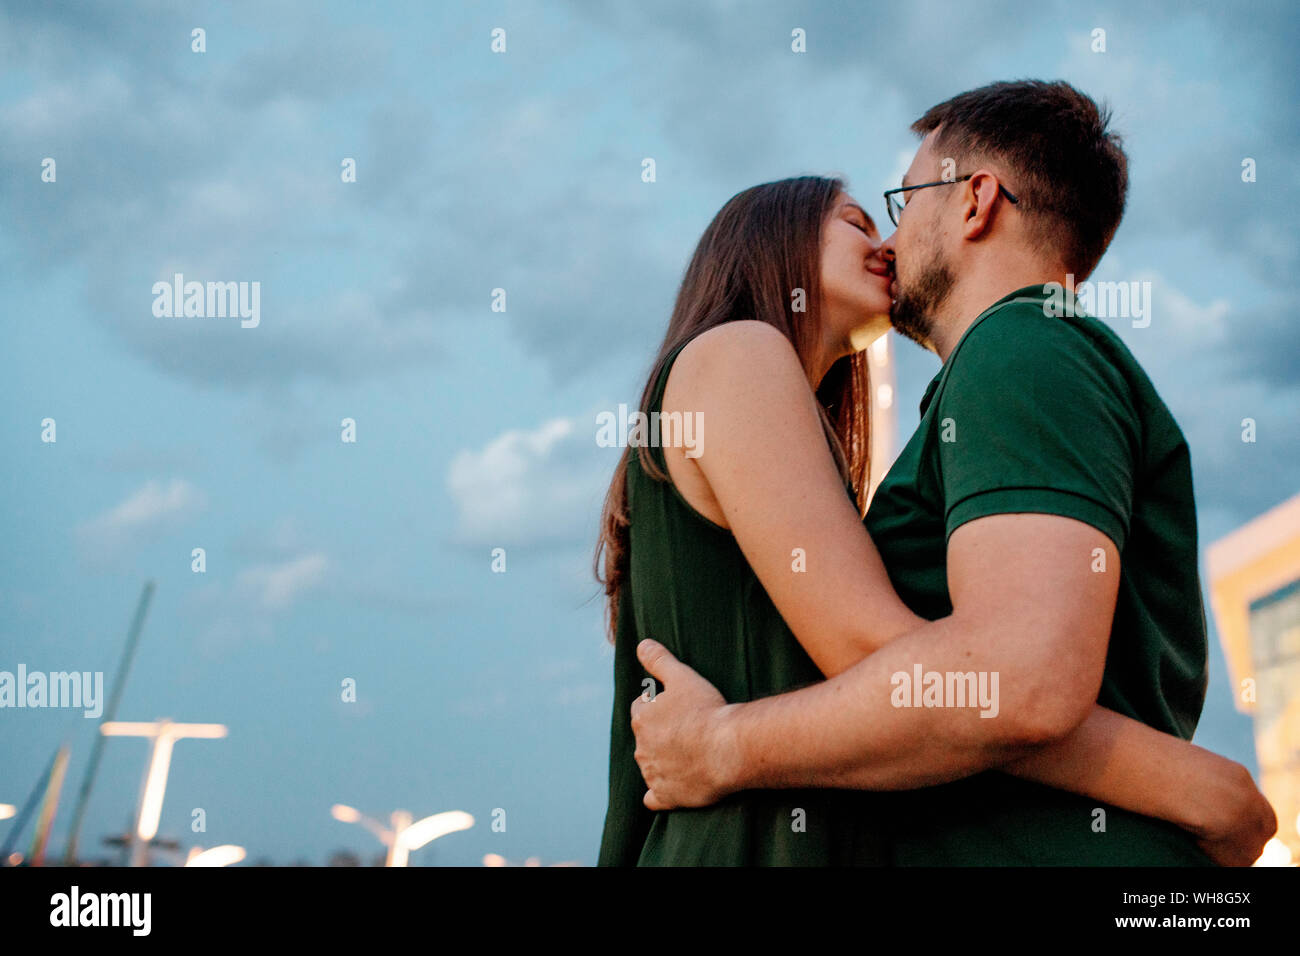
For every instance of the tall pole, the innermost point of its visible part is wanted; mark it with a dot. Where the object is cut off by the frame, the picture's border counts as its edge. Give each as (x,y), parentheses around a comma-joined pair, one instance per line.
(20,821)
(119,682)
(49,807)
(163,735)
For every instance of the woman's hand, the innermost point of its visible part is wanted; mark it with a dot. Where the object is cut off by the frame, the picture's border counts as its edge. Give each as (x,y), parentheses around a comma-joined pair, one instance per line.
(1238,821)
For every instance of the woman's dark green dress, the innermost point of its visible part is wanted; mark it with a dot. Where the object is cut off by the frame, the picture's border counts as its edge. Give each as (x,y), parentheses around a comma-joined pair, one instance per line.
(691,589)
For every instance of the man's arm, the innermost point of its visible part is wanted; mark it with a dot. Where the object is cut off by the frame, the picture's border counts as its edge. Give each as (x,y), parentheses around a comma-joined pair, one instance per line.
(1026,607)
(689,755)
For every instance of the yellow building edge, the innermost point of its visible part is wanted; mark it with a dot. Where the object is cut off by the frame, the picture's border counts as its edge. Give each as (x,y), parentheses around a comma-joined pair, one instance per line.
(1251,562)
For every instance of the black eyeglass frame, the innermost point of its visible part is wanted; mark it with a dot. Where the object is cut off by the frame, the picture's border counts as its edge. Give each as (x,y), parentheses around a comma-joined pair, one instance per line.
(896,211)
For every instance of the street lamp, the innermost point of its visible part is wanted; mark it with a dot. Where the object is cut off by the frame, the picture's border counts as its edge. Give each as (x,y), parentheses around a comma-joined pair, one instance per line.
(216,856)
(404,836)
(1276,853)
(164,734)
(496,859)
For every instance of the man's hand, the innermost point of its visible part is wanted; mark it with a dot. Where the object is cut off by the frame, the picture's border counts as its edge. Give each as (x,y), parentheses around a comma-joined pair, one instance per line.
(682,744)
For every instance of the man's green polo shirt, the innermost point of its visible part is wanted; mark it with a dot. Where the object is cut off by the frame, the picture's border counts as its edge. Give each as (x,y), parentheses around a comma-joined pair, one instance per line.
(1051,414)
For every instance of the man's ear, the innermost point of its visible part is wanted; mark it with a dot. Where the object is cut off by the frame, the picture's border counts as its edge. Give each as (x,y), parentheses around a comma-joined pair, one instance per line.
(979,197)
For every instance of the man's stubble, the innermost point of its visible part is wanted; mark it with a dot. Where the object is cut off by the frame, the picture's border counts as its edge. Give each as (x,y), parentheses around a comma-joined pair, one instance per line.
(913,310)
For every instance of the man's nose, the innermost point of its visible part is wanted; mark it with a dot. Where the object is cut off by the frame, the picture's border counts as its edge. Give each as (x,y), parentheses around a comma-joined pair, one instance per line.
(886,250)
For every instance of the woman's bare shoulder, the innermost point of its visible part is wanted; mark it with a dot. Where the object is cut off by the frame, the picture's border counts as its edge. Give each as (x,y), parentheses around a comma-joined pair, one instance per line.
(742,348)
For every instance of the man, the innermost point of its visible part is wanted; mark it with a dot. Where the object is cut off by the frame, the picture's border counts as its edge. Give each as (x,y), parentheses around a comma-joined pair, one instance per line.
(1041,517)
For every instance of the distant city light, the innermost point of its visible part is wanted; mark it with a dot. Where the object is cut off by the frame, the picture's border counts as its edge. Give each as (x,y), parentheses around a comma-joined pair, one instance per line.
(1276,853)
(345,814)
(404,835)
(217,856)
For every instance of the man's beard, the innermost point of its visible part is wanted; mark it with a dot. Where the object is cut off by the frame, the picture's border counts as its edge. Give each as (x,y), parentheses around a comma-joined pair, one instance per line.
(912,313)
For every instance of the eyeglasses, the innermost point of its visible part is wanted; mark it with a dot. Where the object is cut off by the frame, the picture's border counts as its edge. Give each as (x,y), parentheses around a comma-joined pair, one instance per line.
(895,205)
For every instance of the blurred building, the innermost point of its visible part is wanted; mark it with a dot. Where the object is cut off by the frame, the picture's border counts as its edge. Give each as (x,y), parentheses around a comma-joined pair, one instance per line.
(884,408)
(1255,593)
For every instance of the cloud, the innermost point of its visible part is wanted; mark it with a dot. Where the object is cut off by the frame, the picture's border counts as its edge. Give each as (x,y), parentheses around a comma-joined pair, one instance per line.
(322,64)
(478,176)
(160,172)
(226,168)
(275,587)
(1267,346)
(1192,351)
(274,542)
(248,607)
(150,509)
(476,179)
(543,486)
(135,455)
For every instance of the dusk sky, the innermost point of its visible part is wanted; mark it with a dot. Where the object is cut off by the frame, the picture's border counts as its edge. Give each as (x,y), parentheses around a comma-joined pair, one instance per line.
(475,429)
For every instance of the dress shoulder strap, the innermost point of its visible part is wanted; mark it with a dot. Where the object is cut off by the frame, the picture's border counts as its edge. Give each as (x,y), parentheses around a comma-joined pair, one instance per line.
(657,395)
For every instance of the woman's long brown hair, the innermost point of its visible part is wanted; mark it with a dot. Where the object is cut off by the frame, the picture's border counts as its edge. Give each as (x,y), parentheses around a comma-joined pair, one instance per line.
(764,244)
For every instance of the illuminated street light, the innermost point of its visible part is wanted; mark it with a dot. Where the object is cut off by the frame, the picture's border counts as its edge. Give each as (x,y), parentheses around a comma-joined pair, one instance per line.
(404,836)
(496,859)
(345,814)
(217,856)
(884,410)
(1276,853)
(164,734)
(422,832)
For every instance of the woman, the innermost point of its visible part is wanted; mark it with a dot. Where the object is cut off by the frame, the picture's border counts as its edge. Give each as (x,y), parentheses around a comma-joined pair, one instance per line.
(789,278)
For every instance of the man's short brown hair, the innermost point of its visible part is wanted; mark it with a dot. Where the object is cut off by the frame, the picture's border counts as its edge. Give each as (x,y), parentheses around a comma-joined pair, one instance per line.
(1069,172)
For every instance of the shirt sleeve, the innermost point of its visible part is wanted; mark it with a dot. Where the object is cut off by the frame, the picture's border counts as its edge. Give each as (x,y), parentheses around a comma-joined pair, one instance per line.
(1036,417)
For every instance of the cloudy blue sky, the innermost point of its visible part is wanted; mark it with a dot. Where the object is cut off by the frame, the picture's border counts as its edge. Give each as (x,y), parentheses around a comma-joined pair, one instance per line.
(475,429)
